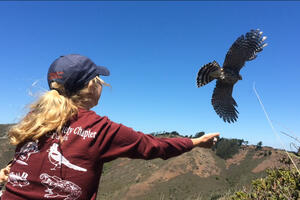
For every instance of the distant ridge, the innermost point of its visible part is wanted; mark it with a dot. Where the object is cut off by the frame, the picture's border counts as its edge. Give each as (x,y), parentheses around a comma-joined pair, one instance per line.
(4,129)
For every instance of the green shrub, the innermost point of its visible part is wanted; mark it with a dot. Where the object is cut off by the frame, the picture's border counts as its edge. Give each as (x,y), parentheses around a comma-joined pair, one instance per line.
(280,184)
(226,148)
(259,146)
(199,134)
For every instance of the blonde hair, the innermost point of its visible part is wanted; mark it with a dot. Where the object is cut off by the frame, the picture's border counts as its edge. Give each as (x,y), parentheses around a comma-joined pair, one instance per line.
(53,110)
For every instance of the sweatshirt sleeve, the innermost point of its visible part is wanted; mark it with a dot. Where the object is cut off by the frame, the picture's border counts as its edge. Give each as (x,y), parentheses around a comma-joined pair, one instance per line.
(122,141)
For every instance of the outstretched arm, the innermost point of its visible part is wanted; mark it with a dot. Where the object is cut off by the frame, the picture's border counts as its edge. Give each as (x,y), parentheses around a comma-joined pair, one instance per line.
(117,140)
(123,141)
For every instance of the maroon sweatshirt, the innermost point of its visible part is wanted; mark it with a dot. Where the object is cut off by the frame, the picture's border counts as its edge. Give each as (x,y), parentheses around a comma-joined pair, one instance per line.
(48,169)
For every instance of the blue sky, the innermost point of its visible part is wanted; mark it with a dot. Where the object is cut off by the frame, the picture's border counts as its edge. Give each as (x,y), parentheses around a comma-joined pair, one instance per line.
(154,51)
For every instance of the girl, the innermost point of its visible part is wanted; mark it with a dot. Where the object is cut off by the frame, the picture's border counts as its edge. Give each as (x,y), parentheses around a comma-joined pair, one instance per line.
(62,145)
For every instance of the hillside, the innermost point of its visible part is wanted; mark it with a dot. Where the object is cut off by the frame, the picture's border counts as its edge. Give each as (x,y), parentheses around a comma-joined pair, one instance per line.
(198,174)
(7,151)
(3,129)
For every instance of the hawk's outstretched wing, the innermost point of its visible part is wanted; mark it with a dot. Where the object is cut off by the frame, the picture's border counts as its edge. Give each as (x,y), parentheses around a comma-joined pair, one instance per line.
(223,102)
(244,49)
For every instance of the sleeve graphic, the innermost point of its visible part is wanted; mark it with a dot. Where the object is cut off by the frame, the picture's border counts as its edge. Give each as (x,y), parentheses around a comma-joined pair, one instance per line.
(17,179)
(25,152)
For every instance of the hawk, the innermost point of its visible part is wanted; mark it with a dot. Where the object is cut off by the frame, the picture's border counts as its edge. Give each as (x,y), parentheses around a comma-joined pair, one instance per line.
(245,48)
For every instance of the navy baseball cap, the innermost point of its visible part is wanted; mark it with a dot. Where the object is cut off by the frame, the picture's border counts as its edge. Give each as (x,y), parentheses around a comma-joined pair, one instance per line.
(74,71)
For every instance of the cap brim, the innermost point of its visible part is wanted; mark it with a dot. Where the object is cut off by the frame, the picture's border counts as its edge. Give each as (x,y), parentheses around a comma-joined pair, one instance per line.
(101,70)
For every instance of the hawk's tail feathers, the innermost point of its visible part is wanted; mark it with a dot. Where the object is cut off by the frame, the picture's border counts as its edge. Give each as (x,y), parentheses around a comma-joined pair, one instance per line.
(207,73)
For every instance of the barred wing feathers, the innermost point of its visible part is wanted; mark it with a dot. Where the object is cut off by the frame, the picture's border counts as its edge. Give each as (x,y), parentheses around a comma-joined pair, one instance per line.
(223,103)
(245,48)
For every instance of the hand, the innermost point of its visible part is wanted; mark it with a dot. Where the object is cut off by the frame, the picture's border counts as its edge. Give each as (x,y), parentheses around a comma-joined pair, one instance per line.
(206,141)
(4,174)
